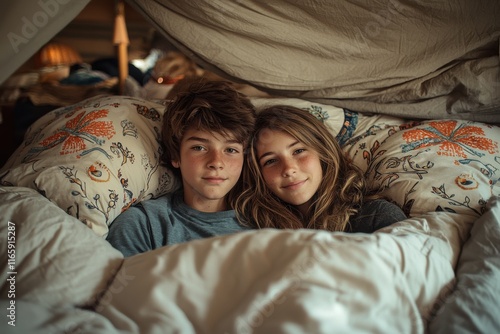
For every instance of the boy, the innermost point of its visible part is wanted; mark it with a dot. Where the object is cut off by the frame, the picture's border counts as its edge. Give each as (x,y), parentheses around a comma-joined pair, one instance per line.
(205,134)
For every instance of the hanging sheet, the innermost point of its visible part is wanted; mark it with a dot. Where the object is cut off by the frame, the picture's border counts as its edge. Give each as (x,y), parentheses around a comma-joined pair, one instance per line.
(27,25)
(420,59)
(436,59)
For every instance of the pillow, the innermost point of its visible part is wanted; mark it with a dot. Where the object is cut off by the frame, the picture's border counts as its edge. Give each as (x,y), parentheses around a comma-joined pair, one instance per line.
(442,165)
(94,159)
(342,123)
(334,117)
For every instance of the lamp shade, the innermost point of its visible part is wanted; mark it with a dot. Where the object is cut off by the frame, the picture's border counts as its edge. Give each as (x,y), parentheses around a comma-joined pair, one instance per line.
(56,54)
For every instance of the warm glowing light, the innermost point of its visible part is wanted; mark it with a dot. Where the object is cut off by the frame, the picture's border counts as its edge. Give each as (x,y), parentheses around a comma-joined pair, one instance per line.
(56,54)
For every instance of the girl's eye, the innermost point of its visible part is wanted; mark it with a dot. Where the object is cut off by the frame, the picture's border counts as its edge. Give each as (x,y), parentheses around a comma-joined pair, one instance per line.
(298,151)
(268,162)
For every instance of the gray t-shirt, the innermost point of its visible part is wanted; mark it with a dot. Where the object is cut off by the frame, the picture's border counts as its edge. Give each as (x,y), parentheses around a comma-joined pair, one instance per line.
(164,221)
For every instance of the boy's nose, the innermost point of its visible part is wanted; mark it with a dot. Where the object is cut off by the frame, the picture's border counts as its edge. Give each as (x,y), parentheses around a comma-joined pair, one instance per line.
(215,161)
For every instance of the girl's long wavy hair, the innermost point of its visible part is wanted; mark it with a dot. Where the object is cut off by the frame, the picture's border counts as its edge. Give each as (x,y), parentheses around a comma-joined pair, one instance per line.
(339,196)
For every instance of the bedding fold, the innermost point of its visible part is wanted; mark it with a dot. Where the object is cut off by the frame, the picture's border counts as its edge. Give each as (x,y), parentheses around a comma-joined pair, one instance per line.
(281,281)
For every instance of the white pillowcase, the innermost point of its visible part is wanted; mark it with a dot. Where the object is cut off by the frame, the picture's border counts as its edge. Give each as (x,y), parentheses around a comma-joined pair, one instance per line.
(442,165)
(95,158)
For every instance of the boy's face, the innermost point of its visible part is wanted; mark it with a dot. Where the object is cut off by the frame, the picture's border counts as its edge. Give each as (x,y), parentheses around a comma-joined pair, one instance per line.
(210,165)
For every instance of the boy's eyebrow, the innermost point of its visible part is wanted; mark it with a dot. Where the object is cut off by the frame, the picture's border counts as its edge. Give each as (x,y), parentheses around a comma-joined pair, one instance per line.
(205,140)
(234,141)
(193,138)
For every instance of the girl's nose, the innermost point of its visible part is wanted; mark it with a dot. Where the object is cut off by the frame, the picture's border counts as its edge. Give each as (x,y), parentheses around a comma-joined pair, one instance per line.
(289,168)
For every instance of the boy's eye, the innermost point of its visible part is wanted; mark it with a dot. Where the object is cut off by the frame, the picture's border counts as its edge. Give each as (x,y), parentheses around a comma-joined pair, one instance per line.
(232,150)
(198,148)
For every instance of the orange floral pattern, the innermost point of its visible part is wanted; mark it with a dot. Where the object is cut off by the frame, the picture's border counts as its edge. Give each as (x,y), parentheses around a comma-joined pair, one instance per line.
(84,127)
(452,140)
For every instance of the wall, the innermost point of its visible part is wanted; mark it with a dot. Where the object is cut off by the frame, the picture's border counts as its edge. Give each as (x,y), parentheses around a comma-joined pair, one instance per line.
(91,32)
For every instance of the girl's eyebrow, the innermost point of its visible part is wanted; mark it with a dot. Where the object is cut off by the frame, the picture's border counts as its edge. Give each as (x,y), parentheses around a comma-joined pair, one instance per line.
(265,155)
(271,153)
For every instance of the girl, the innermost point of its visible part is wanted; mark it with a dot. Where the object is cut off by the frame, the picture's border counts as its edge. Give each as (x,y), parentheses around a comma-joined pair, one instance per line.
(299,177)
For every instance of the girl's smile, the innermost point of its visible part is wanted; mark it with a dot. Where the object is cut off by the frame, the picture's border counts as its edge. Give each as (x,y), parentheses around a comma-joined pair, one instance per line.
(291,170)
(294,185)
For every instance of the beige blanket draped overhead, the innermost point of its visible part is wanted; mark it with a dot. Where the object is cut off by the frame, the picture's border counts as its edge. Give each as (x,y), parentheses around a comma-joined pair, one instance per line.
(428,59)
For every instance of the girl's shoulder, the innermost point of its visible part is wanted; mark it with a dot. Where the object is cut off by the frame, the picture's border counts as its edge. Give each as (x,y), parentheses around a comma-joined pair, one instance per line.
(380,206)
(376,214)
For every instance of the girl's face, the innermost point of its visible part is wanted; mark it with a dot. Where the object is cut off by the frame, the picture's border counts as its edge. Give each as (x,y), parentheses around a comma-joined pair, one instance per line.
(291,170)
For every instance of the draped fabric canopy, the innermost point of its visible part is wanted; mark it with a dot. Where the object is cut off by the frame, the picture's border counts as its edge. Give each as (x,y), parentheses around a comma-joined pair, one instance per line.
(428,59)
(27,25)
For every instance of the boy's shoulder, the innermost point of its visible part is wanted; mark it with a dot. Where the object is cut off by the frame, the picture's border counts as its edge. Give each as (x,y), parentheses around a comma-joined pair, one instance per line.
(162,201)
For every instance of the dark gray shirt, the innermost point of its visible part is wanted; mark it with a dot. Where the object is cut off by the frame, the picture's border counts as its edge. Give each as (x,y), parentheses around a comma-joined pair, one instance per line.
(374,215)
(164,221)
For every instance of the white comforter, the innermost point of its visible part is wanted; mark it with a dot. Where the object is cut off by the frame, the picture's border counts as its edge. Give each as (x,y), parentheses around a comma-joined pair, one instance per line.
(267,281)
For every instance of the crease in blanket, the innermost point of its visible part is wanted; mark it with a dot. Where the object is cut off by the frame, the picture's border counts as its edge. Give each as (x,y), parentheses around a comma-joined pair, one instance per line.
(321,276)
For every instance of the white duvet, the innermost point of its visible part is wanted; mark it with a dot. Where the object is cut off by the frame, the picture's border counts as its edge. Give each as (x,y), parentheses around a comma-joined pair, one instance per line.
(272,281)
(265,281)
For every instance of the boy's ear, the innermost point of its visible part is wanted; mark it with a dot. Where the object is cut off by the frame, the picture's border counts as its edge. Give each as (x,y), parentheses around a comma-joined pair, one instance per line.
(175,163)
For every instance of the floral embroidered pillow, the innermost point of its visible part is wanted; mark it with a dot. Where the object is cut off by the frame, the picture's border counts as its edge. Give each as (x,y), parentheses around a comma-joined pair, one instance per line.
(94,159)
(335,118)
(442,165)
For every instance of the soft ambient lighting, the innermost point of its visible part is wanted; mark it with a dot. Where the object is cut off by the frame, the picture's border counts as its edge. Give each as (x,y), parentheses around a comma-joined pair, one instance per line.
(56,54)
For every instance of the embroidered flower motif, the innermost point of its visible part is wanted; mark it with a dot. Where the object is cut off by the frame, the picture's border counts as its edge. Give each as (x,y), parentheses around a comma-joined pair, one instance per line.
(318,112)
(83,127)
(453,139)
(466,181)
(149,113)
(98,172)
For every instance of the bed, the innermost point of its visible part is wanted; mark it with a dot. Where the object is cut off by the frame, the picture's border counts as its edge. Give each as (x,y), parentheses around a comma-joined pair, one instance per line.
(420,118)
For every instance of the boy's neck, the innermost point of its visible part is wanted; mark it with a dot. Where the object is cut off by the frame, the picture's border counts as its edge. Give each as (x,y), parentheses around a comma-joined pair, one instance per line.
(207,205)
